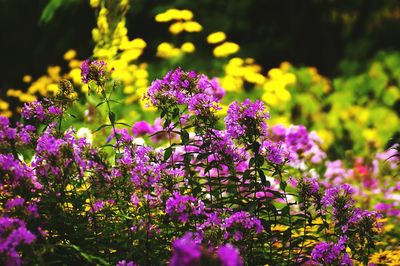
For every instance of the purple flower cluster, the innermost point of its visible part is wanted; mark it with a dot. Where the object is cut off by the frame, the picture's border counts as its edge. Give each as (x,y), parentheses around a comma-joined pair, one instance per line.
(301,144)
(187,252)
(247,119)
(126,263)
(63,153)
(333,195)
(16,173)
(13,233)
(229,256)
(335,173)
(93,71)
(185,88)
(327,253)
(182,207)
(276,153)
(40,110)
(239,224)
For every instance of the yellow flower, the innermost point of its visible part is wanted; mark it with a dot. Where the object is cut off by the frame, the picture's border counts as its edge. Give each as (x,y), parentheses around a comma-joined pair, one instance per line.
(131,55)
(124,4)
(27,78)
(137,43)
(192,26)
(225,49)
(54,72)
(174,14)
(6,113)
(69,55)
(27,97)
(94,3)
(74,63)
(141,74)
(102,23)
(188,47)
(216,37)
(167,50)
(223,111)
(387,257)
(176,28)
(3,105)
(236,61)
(96,36)
(327,137)
(75,74)
(275,73)
(129,89)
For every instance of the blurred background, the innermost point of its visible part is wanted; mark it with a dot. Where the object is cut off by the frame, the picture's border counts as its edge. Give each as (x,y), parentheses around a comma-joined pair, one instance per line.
(332,66)
(323,34)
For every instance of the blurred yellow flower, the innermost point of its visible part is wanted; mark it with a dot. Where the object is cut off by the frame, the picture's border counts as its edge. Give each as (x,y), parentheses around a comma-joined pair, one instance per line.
(102,23)
(96,36)
(225,49)
(223,111)
(386,257)
(54,72)
(174,14)
(94,3)
(192,26)
(137,43)
(176,28)
(69,55)
(27,78)
(3,105)
(216,37)
(188,47)
(167,50)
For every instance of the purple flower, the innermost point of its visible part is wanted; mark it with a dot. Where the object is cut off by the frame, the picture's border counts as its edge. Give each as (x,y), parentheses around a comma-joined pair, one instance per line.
(93,71)
(181,207)
(242,223)
(246,119)
(13,233)
(15,202)
(328,253)
(185,88)
(142,128)
(185,251)
(125,263)
(229,256)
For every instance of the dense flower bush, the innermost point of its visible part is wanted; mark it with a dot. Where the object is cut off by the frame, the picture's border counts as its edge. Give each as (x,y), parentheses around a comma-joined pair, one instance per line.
(206,192)
(100,166)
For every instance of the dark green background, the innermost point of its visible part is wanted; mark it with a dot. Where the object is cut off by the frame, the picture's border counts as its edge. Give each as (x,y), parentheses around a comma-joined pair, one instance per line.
(302,32)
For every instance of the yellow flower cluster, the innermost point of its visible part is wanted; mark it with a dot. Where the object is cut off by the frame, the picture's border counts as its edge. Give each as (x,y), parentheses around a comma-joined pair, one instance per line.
(182,21)
(4,109)
(276,91)
(238,71)
(46,85)
(216,37)
(386,257)
(223,49)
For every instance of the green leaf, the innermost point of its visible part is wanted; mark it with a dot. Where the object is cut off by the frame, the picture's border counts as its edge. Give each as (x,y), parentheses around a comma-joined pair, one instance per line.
(184,137)
(111,116)
(175,112)
(51,8)
(102,126)
(167,153)
(283,185)
(263,178)
(99,104)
